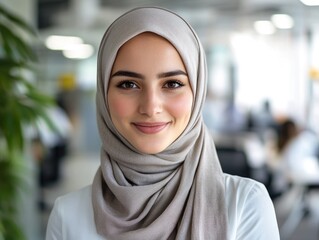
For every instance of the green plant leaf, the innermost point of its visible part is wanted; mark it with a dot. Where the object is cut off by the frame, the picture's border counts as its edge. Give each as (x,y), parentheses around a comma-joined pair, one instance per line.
(11,180)
(16,20)
(12,131)
(11,231)
(14,46)
(21,103)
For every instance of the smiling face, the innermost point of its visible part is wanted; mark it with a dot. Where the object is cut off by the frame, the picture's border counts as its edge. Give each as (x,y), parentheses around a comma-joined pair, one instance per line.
(149,95)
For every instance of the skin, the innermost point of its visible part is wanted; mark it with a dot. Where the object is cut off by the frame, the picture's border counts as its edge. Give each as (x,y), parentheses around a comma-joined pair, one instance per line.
(149,96)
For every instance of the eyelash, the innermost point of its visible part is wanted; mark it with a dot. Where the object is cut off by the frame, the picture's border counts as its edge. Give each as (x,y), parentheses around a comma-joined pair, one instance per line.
(126,82)
(180,84)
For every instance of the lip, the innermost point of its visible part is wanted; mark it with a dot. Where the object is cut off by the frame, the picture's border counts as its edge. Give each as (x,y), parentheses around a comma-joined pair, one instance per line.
(150,127)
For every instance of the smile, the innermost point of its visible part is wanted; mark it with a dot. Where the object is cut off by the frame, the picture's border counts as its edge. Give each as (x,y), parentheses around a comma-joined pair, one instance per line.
(150,127)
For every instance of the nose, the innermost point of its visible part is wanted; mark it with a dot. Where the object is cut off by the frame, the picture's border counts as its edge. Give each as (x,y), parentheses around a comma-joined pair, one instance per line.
(150,103)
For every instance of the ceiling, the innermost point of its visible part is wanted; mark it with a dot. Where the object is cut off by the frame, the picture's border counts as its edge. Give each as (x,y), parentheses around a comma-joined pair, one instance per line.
(90,18)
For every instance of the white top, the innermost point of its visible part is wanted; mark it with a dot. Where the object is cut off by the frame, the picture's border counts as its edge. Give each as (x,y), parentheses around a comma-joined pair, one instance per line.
(251,214)
(300,159)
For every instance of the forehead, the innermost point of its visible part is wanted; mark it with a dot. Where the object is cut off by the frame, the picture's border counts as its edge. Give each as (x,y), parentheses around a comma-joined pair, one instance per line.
(146,41)
(148,48)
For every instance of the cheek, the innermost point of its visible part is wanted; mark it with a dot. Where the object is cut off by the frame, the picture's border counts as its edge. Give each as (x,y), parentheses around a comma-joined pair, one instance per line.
(181,107)
(119,107)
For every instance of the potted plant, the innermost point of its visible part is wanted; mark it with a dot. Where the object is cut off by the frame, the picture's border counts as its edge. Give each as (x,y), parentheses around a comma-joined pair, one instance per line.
(21,104)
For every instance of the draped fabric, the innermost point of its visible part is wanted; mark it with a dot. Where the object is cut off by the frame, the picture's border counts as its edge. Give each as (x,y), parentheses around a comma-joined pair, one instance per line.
(177,193)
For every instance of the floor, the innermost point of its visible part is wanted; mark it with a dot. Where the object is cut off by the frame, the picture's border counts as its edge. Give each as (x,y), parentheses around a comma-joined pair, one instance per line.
(79,171)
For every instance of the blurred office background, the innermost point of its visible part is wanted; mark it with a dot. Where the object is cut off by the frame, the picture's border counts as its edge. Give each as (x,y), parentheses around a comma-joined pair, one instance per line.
(263,94)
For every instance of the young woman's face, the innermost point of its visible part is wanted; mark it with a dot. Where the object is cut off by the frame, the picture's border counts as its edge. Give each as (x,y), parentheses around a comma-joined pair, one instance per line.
(149,95)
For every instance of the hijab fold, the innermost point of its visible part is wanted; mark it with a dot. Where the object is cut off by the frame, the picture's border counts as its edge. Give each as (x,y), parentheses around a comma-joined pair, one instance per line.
(175,194)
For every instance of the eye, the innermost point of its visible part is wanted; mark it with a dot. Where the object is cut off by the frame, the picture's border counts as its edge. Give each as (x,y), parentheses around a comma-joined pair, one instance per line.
(126,85)
(173,84)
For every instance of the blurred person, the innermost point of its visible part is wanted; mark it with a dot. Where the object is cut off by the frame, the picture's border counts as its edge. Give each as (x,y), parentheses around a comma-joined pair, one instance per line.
(262,121)
(159,176)
(264,117)
(50,145)
(68,97)
(234,119)
(55,144)
(294,146)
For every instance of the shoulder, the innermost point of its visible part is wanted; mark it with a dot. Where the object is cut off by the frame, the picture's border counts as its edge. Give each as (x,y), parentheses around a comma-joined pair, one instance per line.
(240,192)
(71,202)
(75,198)
(239,187)
(250,209)
(72,211)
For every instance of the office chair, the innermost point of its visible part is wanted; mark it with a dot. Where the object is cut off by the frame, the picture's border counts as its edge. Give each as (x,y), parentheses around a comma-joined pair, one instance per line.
(233,161)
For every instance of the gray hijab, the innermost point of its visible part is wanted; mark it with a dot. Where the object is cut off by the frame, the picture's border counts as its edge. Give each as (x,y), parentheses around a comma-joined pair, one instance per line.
(175,194)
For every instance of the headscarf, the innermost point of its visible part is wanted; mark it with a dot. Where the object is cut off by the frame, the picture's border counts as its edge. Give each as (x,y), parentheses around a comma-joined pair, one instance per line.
(178,193)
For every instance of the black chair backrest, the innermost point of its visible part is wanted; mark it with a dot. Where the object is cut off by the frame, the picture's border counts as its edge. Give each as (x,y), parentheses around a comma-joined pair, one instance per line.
(233,161)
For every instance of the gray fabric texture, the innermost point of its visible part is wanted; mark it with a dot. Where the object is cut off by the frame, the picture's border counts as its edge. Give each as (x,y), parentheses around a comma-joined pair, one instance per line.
(177,193)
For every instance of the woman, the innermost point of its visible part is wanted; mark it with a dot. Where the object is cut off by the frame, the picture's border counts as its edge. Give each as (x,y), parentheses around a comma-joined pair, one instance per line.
(159,177)
(296,149)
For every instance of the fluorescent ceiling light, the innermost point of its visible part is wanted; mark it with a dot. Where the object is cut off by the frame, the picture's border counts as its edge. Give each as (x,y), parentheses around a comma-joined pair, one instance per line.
(264,27)
(310,2)
(56,42)
(80,51)
(282,21)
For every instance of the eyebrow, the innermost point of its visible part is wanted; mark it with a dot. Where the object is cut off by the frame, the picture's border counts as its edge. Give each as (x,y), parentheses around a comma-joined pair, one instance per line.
(172,73)
(127,74)
(138,75)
